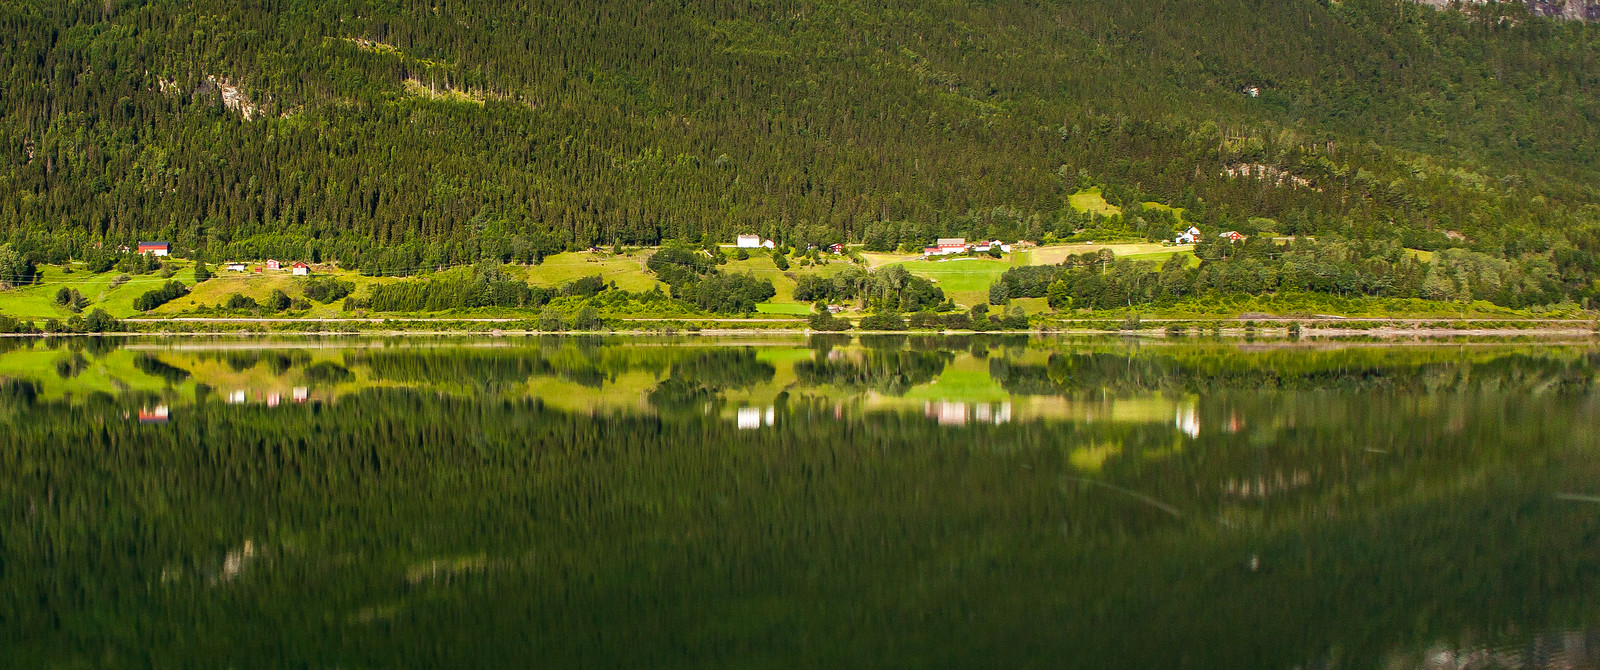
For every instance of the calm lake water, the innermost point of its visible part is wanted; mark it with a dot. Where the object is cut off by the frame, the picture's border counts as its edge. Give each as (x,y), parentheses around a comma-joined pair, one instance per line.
(832,502)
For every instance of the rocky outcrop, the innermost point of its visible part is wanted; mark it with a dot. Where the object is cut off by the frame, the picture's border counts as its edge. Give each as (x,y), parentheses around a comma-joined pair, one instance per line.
(1578,10)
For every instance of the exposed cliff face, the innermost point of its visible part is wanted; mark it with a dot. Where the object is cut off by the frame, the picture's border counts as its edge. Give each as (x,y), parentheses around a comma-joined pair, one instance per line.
(1580,10)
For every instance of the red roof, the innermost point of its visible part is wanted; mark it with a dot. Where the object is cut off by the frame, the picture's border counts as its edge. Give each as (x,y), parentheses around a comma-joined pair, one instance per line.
(301,265)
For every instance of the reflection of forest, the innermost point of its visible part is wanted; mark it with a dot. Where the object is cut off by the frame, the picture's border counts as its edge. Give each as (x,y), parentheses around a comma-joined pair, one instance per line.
(1329,508)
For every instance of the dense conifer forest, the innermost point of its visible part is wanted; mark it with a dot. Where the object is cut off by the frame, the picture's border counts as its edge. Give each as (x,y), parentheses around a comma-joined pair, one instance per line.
(449,133)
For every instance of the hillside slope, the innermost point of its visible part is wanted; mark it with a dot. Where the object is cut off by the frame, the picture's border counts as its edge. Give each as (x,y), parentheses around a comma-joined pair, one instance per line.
(441,133)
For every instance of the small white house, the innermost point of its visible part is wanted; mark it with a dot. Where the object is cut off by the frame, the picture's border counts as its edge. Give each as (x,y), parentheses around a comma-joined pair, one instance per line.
(1189,236)
(769,244)
(301,269)
(238,267)
(749,241)
(154,248)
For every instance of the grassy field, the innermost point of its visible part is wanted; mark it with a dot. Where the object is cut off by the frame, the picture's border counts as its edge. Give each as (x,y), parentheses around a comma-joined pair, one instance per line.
(965,280)
(38,300)
(627,270)
(1055,253)
(794,308)
(1090,201)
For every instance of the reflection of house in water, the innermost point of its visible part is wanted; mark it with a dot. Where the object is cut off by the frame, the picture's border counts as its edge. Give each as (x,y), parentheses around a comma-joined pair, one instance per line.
(273,399)
(236,398)
(300,394)
(1266,485)
(960,413)
(1188,421)
(158,414)
(1573,650)
(755,417)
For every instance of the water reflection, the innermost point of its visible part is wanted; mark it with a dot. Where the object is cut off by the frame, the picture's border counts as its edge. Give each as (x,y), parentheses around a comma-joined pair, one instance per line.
(914,500)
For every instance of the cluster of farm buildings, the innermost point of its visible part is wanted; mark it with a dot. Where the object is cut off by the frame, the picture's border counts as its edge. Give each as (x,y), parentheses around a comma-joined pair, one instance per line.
(164,248)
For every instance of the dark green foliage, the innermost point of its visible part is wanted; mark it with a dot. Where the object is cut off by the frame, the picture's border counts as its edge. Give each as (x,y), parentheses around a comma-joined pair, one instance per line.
(825,321)
(327,289)
(201,272)
(588,318)
(620,124)
(240,301)
(277,301)
(679,264)
(11,325)
(925,320)
(71,298)
(781,261)
(403,141)
(139,264)
(586,287)
(552,321)
(15,268)
(168,292)
(1026,281)
(883,321)
(490,286)
(727,293)
(98,321)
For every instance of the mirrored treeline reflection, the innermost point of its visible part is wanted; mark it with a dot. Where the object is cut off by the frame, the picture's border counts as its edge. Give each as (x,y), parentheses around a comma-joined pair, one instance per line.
(898,501)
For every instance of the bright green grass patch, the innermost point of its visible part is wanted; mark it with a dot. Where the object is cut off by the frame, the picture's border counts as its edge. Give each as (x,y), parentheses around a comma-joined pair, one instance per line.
(38,301)
(1090,201)
(1419,254)
(784,308)
(964,280)
(627,270)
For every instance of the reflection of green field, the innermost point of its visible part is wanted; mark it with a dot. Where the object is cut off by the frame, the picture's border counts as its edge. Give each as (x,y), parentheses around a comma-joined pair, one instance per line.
(112,373)
(965,379)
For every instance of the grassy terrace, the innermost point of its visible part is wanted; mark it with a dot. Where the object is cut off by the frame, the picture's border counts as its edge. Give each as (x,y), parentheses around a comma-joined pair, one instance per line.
(966,280)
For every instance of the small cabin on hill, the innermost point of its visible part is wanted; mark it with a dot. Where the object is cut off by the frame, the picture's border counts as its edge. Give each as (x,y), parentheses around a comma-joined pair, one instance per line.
(274,265)
(748,241)
(155,248)
(238,267)
(301,269)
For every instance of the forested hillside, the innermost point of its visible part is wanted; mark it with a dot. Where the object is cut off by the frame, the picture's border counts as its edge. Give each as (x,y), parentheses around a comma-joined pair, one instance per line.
(444,133)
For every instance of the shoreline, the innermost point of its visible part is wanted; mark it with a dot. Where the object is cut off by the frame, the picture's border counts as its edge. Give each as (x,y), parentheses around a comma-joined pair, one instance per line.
(1239,332)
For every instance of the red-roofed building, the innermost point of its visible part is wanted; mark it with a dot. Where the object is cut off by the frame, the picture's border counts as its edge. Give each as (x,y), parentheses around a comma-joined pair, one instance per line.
(155,248)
